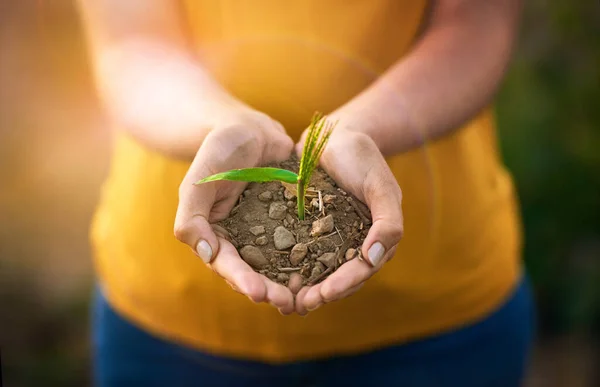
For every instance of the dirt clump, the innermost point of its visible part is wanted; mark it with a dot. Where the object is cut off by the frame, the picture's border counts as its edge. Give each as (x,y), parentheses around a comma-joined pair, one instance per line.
(265,229)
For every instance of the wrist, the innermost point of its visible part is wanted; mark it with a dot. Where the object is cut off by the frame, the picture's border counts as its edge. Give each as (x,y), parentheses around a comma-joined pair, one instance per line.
(382,115)
(162,97)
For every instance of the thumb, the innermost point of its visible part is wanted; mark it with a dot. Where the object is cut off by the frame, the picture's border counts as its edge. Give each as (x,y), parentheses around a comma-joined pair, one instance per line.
(191,221)
(196,232)
(384,198)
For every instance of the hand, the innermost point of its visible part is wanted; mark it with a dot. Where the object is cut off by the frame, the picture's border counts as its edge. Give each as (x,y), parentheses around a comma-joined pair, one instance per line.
(241,139)
(353,160)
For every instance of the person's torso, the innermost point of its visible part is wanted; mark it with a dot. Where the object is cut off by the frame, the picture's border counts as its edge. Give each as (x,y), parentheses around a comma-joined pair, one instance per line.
(458,259)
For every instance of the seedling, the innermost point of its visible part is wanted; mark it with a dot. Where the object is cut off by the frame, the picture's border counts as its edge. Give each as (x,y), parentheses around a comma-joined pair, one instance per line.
(318,134)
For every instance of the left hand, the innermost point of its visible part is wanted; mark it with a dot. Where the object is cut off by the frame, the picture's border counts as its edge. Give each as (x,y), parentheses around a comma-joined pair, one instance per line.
(355,163)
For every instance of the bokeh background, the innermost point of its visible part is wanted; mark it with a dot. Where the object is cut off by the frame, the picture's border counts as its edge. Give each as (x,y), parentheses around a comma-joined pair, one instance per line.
(54,150)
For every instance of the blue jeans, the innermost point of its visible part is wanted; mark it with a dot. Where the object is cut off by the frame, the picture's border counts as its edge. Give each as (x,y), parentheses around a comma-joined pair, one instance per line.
(492,352)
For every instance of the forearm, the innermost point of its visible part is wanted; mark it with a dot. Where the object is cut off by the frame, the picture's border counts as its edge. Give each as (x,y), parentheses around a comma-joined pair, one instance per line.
(147,76)
(159,94)
(451,74)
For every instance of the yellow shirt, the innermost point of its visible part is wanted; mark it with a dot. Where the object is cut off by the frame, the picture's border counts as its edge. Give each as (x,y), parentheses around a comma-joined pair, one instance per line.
(459,259)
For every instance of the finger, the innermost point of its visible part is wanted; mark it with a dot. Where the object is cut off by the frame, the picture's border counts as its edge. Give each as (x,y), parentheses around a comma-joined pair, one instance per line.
(194,230)
(314,297)
(279,148)
(295,283)
(384,198)
(348,276)
(299,303)
(238,273)
(279,296)
(193,211)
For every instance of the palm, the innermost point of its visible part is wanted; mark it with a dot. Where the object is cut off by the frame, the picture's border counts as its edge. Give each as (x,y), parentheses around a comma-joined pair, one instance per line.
(355,163)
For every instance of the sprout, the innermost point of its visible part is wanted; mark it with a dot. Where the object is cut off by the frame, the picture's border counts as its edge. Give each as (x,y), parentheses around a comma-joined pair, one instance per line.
(319,132)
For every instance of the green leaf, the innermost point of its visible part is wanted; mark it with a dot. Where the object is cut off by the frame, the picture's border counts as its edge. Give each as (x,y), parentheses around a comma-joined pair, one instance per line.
(254,175)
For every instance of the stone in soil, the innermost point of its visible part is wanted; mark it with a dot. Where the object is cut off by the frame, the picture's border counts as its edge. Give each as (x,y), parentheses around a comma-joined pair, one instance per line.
(283,238)
(350,254)
(265,196)
(277,211)
(261,240)
(282,277)
(328,259)
(289,195)
(298,253)
(254,257)
(257,230)
(317,270)
(322,226)
(328,199)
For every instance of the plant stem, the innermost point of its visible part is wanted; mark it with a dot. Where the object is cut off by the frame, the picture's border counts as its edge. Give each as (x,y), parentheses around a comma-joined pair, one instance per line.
(300,195)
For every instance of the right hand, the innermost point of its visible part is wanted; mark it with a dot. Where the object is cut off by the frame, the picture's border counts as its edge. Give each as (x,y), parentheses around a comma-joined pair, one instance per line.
(242,138)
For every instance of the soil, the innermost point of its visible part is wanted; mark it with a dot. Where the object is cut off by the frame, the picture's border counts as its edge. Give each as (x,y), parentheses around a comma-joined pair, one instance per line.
(265,229)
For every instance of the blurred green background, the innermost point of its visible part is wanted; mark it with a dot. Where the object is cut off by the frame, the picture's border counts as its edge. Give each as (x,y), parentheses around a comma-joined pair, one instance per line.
(54,154)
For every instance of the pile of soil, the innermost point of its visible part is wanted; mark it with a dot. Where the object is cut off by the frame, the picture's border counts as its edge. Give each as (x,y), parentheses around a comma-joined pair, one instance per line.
(265,229)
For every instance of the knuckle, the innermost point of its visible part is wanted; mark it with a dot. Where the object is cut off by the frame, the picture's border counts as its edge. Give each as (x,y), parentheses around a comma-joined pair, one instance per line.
(359,143)
(234,145)
(182,231)
(331,293)
(396,230)
(355,144)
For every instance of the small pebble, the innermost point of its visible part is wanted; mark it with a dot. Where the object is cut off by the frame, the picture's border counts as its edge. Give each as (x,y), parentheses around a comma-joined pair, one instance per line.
(286,223)
(289,195)
(317,270)
(265,196)
(314,203)
(283,238)
(257,230)
(298,253)
(283,277)
(253,257)
(277,210)
(246,193)
(328,199)
(350,254)
(290,204)
(233,231)
(290,219)
(305,270)
(261,240)
(322,226)
(328,259)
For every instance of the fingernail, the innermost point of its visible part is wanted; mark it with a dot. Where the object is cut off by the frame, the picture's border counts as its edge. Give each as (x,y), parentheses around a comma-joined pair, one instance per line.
(314,307)
(204,250)
(375,253)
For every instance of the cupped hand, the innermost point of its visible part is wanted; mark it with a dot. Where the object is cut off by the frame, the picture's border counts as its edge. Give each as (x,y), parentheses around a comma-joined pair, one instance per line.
(353,160)
(241,139)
